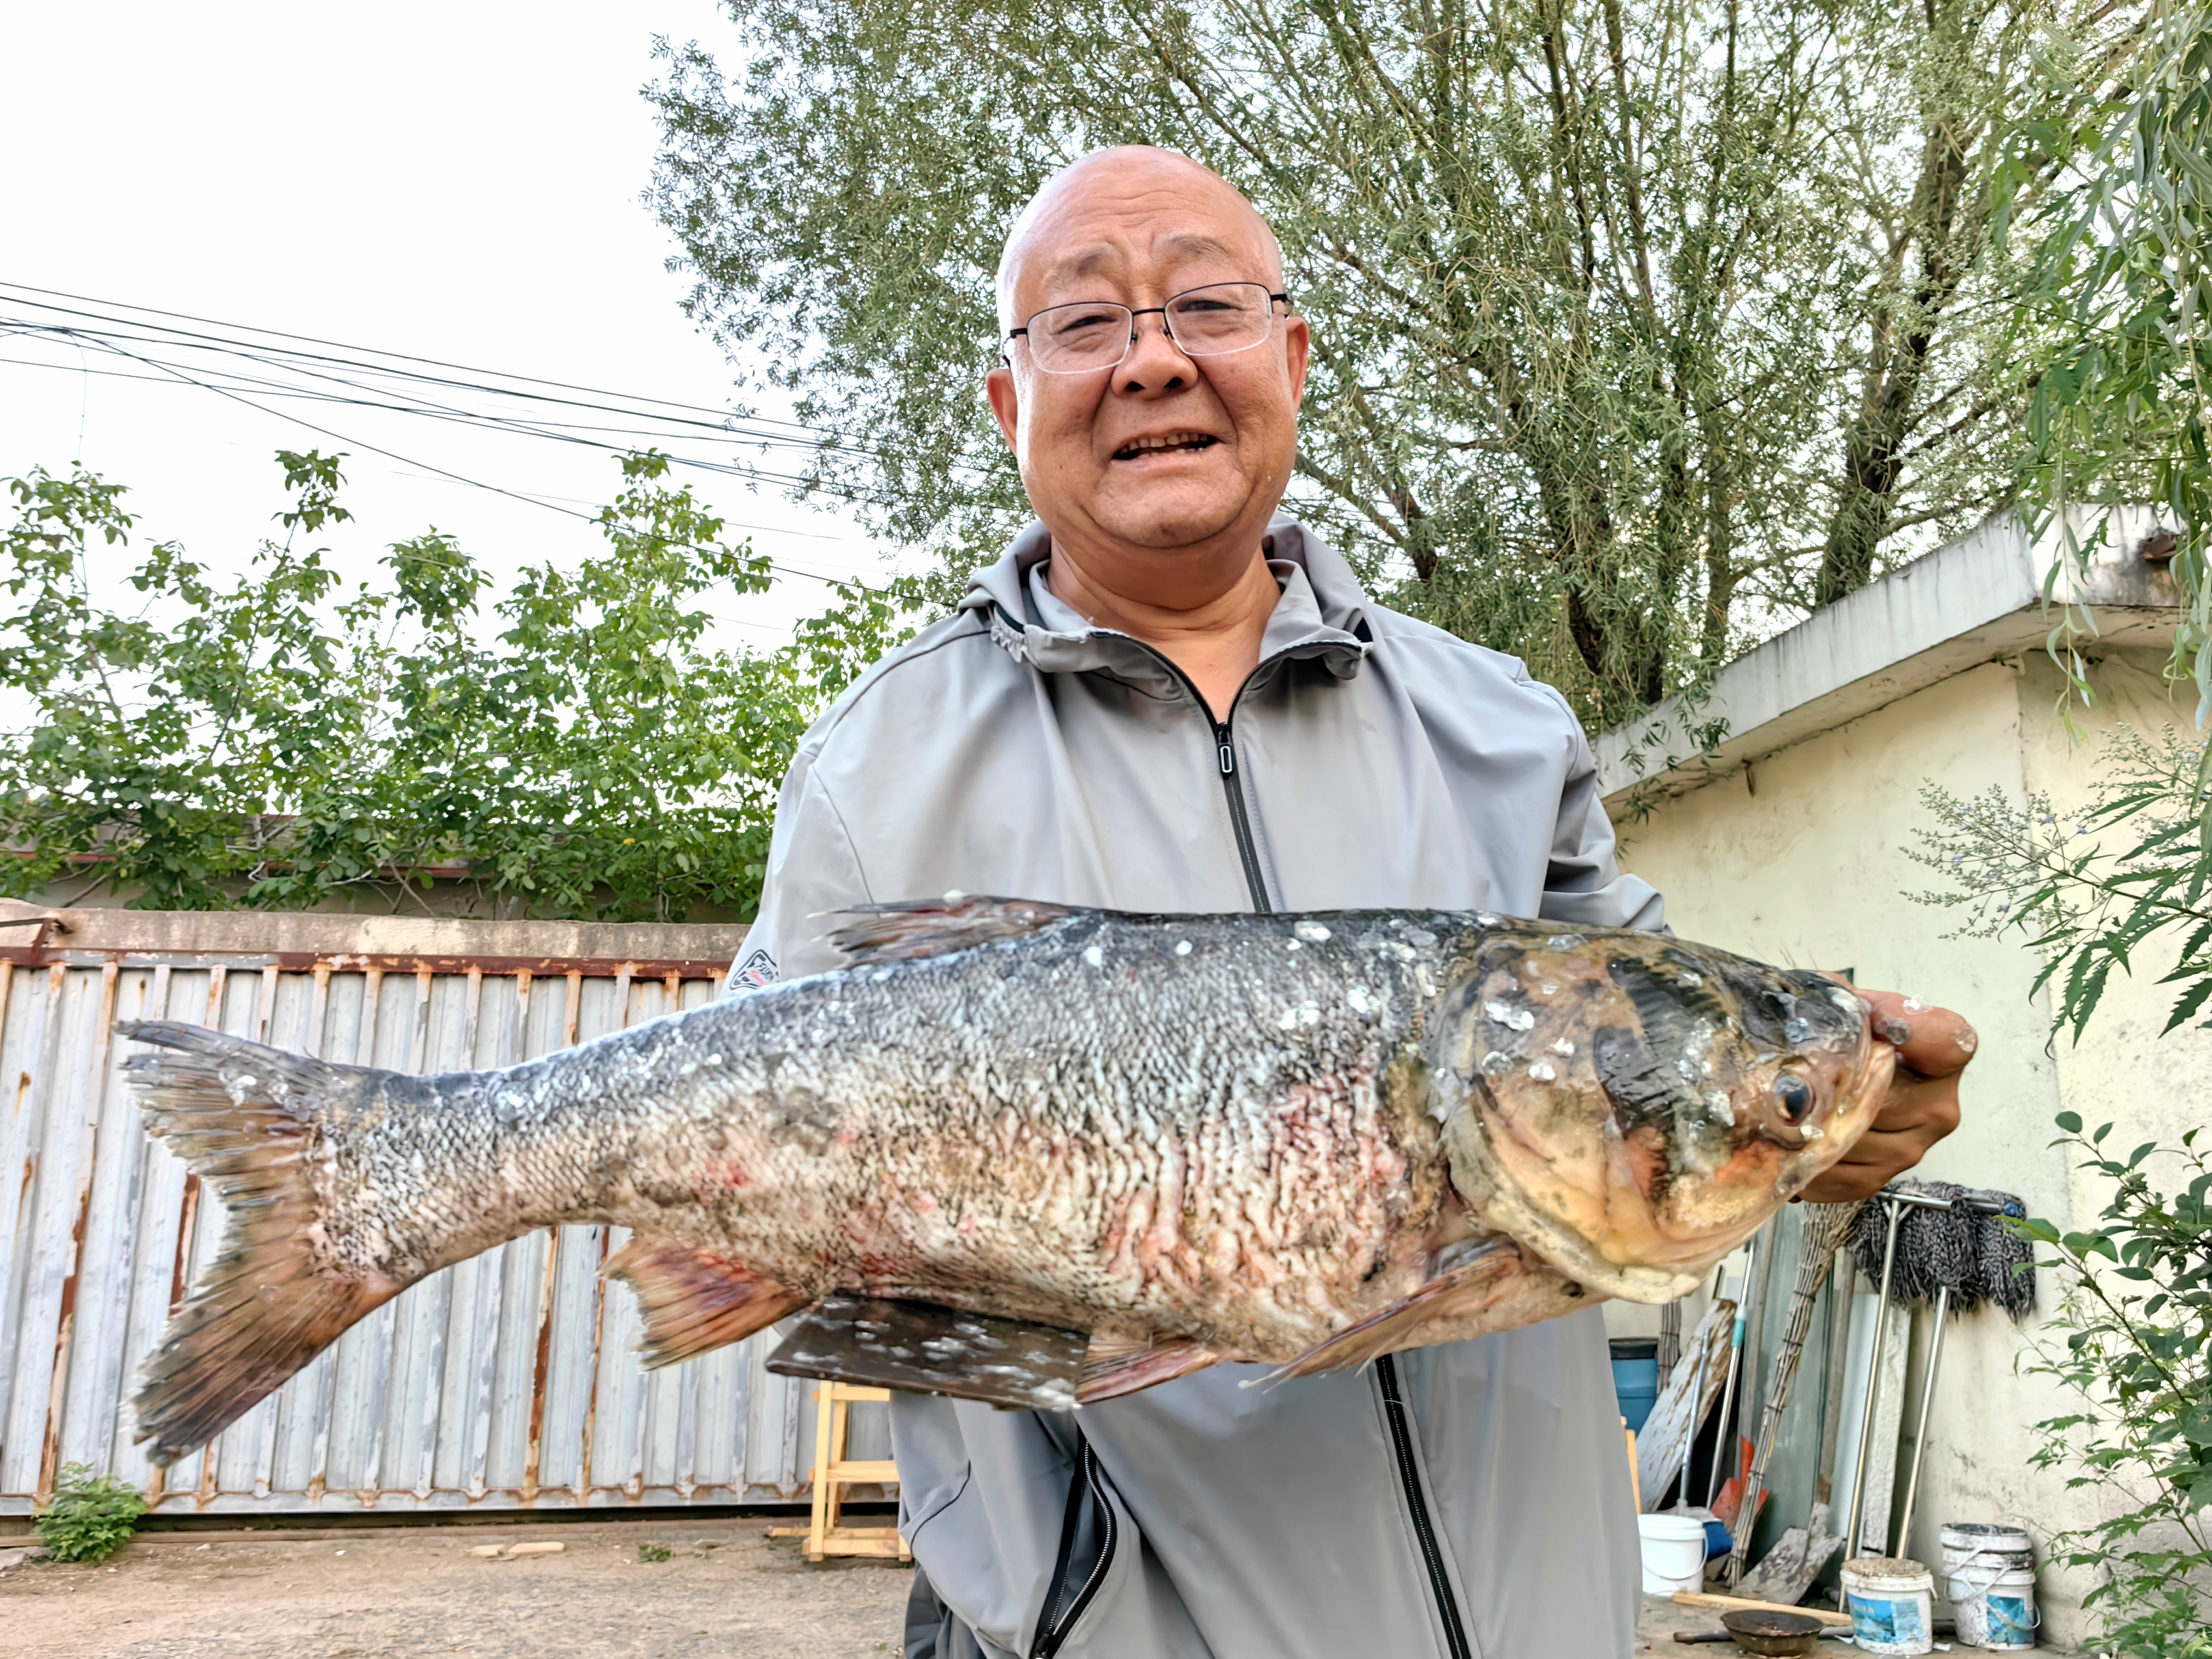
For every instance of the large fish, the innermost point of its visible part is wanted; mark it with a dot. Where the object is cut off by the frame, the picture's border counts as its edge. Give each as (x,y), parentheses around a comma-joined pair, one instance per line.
(1048,1156)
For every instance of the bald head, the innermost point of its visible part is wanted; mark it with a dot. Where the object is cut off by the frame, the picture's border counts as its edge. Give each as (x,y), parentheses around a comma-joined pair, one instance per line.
(1048,246)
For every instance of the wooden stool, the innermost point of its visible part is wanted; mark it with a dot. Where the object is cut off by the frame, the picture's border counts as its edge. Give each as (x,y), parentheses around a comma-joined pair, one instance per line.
(833,1472)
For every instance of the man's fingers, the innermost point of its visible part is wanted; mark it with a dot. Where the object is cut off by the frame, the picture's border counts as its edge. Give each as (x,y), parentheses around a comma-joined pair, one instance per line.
(1931,1041)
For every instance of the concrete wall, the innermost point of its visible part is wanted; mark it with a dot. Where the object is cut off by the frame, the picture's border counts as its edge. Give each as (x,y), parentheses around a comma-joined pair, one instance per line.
(1802,859)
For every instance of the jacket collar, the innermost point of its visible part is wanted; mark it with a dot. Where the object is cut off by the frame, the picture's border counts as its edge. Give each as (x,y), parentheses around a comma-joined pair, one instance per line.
(1321,613)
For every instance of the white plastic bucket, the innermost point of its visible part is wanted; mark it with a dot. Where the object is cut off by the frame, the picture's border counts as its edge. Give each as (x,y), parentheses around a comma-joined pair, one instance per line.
(1674,1553)
(1988,1578)
(1893,1604)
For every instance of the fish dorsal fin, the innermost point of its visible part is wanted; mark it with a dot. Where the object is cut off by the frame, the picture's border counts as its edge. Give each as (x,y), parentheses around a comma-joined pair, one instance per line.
(932,927)
(695,1301)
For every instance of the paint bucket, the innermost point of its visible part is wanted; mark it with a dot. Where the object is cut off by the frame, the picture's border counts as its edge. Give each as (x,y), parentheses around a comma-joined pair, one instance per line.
(1674,1553)
(1636,1377)
(1988,1578)
(1893,1604)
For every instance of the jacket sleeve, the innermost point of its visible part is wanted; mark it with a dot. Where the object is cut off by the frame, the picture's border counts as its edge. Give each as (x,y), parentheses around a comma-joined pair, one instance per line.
(813,873)
(1583,882)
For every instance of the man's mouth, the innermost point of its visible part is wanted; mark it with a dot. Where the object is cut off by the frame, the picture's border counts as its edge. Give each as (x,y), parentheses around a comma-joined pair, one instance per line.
(1167,443)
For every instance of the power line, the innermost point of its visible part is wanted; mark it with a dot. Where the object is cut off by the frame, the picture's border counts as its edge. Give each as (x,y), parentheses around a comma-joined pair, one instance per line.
(398,356)
(277,390)
(182,376)
(121,332)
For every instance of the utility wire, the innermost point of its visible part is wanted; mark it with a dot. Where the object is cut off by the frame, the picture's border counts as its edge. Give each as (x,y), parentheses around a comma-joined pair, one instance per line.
(264,386)
(751,428)
(185,377)
(719,417)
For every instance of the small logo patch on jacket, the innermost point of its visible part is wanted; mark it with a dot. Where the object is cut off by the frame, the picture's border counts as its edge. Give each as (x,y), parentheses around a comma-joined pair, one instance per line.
(758,969)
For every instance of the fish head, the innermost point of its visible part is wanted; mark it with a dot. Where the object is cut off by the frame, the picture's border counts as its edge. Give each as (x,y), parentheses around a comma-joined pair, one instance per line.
(1632,1107)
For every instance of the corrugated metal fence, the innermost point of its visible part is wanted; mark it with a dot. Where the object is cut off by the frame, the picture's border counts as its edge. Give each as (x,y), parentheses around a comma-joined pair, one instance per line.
(507,1381)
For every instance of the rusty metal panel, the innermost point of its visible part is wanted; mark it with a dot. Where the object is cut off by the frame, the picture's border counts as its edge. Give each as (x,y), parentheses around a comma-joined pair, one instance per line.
(508,1381)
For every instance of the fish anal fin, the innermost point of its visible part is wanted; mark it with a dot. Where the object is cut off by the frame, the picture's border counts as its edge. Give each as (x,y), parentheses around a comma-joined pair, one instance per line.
(1114,1365)
(695,1301)
(933,927)
(1491,1274)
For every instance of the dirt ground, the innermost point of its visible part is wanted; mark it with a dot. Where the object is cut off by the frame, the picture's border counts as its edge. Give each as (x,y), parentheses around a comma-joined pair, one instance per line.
(729,1592)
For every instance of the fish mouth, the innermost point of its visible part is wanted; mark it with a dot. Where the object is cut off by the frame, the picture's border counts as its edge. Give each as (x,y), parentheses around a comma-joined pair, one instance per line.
(1631,1108)
(1163,444)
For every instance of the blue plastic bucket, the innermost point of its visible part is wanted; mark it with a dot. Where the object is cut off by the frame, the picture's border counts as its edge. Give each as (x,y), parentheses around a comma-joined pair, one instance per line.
(1636,1377)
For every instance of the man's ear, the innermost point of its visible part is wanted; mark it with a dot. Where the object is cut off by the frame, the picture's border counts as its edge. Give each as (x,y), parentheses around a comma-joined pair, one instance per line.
(1297,346)
(1007,403)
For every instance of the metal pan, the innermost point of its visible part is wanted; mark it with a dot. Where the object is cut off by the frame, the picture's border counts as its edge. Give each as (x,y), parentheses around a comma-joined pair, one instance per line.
(1757,1631)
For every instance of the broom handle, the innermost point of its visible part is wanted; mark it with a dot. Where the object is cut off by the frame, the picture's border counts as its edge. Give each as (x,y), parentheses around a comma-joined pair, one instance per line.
(1874,1385)
(1724,1448)
(1825,1227)
(1920,1428)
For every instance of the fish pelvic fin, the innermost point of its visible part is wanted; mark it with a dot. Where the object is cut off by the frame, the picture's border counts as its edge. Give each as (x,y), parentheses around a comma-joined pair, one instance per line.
(1488,1276)
(1115,1365)
(695,1301)
(935,927)
(244,1118)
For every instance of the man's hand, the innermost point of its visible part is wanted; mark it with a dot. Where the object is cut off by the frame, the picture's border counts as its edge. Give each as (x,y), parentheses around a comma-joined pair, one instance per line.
(1932,1046)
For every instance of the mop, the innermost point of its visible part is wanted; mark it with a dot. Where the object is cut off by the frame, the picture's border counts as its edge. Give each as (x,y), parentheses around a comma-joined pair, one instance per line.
(1941,1242)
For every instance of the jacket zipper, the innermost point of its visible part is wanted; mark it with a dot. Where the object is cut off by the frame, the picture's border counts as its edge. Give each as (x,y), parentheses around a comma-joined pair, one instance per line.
(1058,1621)
(1409,1476)
(1224,750)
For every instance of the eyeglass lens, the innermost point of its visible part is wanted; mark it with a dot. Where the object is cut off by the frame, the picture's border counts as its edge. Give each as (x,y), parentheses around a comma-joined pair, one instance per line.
(1208,321)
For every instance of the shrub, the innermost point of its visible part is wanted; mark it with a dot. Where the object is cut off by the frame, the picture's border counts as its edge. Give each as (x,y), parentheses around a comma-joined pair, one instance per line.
(91,1516)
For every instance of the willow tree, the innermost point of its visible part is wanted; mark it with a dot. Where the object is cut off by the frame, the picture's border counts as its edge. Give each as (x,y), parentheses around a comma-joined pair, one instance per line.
(1640,326)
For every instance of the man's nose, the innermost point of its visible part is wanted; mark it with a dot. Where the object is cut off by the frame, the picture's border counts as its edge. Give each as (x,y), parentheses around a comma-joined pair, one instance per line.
(1155,363)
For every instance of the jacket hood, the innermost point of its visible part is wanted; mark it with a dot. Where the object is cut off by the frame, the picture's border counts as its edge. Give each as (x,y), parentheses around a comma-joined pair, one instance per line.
(1323,613)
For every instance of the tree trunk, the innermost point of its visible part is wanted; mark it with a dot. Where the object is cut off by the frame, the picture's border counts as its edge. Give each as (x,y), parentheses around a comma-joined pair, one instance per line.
(1873,447)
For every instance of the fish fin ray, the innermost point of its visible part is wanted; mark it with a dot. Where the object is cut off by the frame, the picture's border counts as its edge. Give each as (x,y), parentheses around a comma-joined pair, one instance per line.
(932,927)
(695,1301)
(243,1118)
(1114,1365)
(1466,1289)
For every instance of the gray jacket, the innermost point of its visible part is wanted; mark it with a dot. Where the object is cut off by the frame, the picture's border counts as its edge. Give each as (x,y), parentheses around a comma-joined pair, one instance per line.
(1468,1502)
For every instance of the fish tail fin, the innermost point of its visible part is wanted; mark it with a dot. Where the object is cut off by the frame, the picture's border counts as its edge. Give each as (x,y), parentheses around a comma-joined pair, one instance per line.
(244,1119)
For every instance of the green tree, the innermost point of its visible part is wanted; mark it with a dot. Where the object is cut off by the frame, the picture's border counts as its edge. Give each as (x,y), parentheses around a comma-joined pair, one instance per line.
(582,748)
(2111,327)
(1641,325)
(2114,323)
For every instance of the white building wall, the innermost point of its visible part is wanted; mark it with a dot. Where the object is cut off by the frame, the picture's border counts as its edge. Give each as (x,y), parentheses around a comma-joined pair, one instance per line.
(1802,859)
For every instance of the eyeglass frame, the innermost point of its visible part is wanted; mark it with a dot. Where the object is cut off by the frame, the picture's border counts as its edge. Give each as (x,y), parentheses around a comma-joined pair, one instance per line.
(1161,312)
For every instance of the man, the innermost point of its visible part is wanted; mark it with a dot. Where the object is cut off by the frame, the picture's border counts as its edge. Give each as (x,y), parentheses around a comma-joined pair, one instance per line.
(1165,698)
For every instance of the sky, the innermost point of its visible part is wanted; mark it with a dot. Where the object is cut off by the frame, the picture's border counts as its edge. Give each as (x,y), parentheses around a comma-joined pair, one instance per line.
(459,181)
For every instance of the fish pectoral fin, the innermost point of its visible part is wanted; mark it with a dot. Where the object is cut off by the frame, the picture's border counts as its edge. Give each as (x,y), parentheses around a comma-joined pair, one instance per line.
(930,927)
(1488,1275)
(695,1301)
(1114,1365)
(919,1347)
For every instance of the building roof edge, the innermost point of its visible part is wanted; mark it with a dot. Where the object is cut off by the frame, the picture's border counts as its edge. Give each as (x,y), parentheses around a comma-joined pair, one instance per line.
(1977,599)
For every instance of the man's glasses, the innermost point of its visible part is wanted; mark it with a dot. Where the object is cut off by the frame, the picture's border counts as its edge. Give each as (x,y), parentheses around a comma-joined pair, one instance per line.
(1203,322)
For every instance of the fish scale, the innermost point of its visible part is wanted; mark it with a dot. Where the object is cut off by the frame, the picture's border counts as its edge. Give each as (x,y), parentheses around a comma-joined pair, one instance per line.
(1183,1140)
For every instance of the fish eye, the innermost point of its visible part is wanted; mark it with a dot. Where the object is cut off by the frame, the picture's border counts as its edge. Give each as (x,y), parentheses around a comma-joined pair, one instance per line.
(1796,1096)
